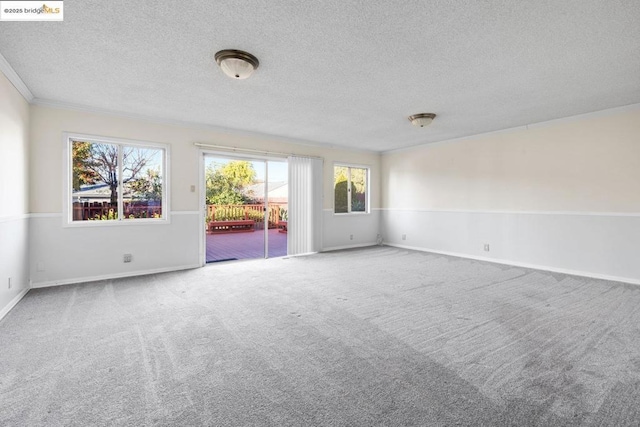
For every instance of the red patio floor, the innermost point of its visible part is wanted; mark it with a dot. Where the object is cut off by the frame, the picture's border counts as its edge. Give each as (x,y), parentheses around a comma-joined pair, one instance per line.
(228,246)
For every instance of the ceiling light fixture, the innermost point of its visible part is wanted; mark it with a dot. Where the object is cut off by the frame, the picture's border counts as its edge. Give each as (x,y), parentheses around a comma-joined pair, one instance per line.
(422,119)
(236,64)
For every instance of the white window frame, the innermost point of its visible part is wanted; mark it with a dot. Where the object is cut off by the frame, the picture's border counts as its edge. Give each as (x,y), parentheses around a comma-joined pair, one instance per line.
(67,211)
(367,210)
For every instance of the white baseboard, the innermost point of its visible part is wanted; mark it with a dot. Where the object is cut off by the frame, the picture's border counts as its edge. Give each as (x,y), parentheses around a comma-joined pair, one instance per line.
(13,303)
(110,276)
(339,248)
(295,255)
(523,264)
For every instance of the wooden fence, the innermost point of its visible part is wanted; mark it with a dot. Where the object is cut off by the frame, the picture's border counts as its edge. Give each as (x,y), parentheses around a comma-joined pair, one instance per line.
(240,212)
(86,211)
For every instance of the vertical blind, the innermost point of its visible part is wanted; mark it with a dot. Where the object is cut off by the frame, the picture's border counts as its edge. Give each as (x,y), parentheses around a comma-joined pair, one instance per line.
(304,224)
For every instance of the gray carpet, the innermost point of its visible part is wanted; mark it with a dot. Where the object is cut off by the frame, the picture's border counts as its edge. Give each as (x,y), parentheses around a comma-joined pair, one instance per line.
(377,336)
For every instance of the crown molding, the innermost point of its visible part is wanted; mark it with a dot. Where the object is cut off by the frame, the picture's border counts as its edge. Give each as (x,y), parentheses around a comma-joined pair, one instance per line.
(15,79)
(17,82)
(537,125)
(192,125)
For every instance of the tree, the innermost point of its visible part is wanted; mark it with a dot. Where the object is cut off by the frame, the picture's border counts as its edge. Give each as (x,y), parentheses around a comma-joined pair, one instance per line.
(101,164)
(358,177)
(341,198)
(148,186)
(81,154)
(358,189)
(226,183)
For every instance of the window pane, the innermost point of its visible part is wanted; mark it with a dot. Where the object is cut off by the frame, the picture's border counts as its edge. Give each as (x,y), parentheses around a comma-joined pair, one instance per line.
(358,190)
(94,181)
(142,178)
(340,174)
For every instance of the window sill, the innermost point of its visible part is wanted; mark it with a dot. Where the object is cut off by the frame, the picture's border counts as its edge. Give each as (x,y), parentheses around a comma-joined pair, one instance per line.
(116,223)
(351,213)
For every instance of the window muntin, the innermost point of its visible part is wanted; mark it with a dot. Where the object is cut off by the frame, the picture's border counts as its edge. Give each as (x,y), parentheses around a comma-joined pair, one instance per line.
(351,189)
(112,181)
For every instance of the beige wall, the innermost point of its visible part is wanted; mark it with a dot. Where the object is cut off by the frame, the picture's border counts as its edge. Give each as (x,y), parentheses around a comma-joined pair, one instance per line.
(14,182)
(584,165)
(14,134)
(61,255)
(48,124)
(561,196)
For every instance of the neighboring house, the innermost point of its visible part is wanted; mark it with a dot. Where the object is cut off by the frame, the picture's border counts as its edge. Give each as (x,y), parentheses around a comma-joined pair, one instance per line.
(96,193)
(93,193)
(277,192)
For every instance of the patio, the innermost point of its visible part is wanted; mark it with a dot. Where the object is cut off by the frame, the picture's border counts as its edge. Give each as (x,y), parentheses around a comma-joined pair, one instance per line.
(247,245)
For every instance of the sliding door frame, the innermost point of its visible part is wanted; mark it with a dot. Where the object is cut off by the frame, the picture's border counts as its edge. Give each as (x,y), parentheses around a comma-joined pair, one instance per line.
(202,193)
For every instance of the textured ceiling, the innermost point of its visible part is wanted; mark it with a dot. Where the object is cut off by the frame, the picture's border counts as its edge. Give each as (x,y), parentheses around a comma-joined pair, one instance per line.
(338,72)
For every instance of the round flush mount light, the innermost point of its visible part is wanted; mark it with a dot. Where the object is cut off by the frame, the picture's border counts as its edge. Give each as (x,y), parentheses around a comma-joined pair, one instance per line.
(236,64)
(422,119)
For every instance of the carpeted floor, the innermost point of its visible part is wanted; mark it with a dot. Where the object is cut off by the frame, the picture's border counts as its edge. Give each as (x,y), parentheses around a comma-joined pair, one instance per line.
(376,336)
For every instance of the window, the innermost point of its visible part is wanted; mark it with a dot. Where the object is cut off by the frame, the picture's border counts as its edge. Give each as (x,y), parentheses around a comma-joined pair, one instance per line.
(350,185)
(112,180)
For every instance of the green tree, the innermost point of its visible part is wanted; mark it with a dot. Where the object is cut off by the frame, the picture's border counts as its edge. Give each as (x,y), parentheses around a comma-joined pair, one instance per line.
(341,198)
(82,174)
(148,186)
(226,183)
(359,179)
(358,189)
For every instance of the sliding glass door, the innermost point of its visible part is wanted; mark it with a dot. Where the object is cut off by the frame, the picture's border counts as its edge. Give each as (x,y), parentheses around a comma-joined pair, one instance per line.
(246,208)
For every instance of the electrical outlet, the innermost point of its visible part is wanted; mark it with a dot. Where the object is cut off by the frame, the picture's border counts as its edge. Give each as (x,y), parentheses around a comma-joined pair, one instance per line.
(350,236)
(9,282)
(40,266)
(404,237)
(127,258)
(486,247)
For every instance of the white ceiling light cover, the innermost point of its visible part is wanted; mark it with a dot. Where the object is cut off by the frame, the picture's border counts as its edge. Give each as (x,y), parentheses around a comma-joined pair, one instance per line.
(236,63)
(422,120)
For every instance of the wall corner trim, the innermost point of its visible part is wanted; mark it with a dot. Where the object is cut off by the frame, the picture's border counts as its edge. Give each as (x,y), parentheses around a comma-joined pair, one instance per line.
(15,79)
(6,309)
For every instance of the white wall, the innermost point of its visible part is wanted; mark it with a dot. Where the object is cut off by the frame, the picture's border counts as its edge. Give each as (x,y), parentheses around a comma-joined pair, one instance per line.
(14,182)
(348,231)
(561,196)
(64,255)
